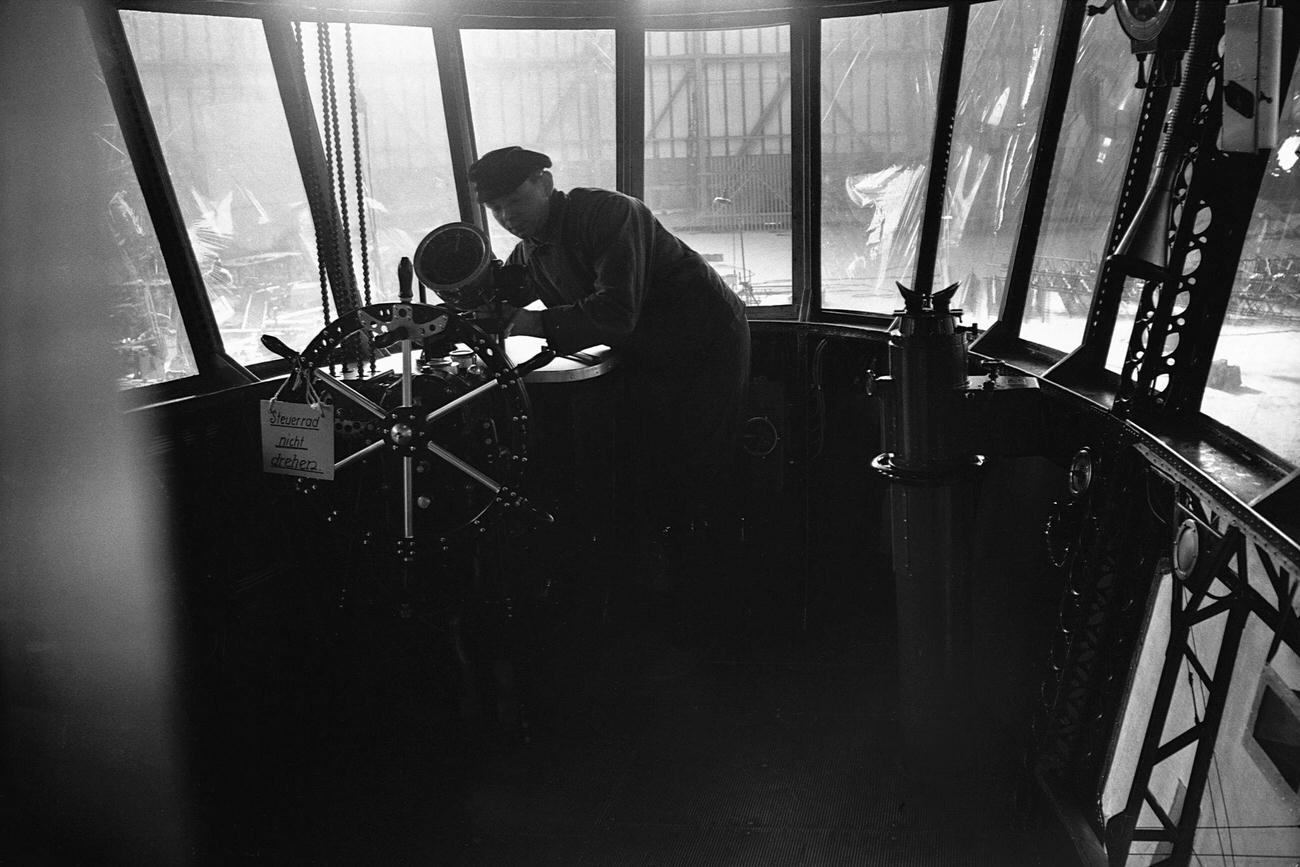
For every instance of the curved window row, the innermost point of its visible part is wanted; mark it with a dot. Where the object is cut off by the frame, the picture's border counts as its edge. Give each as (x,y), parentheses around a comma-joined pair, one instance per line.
(262,126)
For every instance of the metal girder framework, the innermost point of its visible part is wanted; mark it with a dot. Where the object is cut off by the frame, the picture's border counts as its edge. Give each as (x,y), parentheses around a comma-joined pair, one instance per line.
(1189,608)
(1232,531)
(1166,306)
(1107,543)
(1110,543)
(769,111)
(687,80)
(1278,555)
(1224,190)
(702,85)
(1104,307)
(1179,317)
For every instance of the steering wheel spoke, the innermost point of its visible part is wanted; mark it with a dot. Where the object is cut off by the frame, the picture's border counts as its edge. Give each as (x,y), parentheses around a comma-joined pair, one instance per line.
(482,478)
(359,454)
(349,393)
(457,403)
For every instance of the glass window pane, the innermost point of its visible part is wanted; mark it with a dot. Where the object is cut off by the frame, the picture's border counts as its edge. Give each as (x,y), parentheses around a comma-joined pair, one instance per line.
(1254,383)
(406,169)
(214,101)
(1097,134)
(880,74)
(147,328)
(1129,297)
(1004,78)
(145,324)
(717,151)
(547,90)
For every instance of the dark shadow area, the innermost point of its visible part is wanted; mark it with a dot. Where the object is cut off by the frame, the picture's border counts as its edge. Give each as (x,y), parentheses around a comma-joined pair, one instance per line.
(545,697)
(724,714)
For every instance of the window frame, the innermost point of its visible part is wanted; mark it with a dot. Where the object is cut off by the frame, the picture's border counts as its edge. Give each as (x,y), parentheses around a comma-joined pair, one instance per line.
(215,368)
(1081,369)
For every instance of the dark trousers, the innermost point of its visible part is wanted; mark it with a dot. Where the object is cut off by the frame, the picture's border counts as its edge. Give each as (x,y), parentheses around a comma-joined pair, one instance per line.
(684,417)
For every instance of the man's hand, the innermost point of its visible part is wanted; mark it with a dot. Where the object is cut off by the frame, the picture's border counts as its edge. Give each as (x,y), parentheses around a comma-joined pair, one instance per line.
(520,320)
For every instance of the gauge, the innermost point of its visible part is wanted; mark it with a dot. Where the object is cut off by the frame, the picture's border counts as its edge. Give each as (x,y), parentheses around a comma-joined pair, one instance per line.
(1080,472)
(759,436)
(1187,548)
(1143,20)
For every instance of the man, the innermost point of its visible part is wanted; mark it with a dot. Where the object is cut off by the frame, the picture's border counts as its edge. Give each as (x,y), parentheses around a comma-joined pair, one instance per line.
(609,273)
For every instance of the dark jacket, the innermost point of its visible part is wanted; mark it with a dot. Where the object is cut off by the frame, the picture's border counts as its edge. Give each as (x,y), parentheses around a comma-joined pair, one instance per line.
(610,273)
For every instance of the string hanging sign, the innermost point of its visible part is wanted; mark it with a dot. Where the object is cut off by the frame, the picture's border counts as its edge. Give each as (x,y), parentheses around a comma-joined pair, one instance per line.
(298,438)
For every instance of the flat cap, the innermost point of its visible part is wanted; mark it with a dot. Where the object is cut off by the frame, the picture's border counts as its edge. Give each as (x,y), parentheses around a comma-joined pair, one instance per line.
(499,172)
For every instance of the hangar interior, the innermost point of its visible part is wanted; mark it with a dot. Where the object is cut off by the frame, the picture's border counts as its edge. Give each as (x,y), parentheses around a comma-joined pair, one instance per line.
(1004,565)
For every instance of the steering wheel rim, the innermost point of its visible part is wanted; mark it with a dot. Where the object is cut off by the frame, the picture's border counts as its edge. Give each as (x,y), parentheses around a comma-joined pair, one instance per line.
(427,426)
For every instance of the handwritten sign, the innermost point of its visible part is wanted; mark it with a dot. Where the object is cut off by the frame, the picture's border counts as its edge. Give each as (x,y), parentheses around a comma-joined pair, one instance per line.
(298,439)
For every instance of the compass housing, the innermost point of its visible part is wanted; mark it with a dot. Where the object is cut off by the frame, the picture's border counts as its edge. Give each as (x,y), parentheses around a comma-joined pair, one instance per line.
(455,262)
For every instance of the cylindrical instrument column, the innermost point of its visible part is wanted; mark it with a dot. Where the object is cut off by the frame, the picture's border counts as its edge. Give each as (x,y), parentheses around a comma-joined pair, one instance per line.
(932,513)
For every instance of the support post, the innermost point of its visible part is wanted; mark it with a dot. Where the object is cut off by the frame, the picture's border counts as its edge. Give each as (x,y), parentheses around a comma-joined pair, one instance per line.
(932,515)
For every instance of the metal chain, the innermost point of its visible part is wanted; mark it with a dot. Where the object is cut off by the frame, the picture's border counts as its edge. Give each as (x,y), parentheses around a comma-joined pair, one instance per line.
(313,190)
(330,233)
(356,154)
(361,198)
(342,186)
(337,148)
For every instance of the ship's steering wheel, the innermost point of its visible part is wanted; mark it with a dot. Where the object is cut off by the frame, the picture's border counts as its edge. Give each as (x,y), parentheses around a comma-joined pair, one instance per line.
(451,426)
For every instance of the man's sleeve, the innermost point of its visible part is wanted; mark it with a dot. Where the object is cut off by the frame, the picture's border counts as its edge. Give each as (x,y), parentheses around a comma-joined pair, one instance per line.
(616,234)
(526,293)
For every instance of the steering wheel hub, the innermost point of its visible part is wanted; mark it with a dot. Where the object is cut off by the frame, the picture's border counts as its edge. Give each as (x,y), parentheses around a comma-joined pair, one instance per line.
(401,434)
